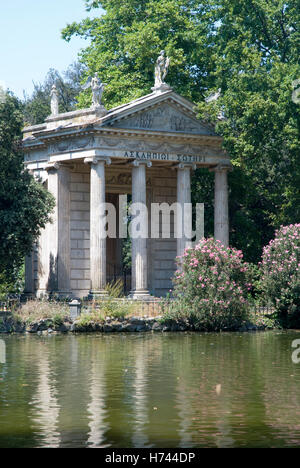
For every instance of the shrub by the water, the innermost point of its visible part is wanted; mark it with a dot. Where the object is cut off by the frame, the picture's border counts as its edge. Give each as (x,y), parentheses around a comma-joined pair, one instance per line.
(36,310)
(280,279)
(211,287)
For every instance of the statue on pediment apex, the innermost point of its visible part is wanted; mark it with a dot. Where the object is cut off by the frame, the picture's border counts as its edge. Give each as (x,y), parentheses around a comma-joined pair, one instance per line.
(161,70)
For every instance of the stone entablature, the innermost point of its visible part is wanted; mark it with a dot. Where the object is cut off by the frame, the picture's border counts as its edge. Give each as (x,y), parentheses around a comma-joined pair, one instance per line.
(164,130)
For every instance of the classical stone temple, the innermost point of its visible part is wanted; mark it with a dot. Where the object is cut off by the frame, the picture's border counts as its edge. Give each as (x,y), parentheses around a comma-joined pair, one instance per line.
(145,149)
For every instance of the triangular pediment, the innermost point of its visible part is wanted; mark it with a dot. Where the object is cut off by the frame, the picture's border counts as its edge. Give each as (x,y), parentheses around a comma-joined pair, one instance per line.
(165,115)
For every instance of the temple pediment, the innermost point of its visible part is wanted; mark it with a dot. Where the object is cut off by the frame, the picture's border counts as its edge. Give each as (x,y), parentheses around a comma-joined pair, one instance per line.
(165,116)
(162,126)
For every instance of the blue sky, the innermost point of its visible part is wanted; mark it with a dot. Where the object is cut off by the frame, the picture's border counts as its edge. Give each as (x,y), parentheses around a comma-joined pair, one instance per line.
(30,41)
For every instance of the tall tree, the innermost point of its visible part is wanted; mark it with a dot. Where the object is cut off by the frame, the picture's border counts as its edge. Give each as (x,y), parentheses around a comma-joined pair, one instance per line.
(257,51)
(24,203)
(249,49)
(125,43)
(37,106)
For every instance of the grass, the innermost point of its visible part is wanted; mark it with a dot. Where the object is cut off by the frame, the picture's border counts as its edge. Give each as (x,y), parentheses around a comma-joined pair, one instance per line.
(34,311)
(115,306)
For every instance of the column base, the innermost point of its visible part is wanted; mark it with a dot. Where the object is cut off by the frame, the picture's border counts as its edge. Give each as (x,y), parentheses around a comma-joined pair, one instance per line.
(143,295)
(62,294)
(101,294)
(47,295)
(42,294)
(28,296)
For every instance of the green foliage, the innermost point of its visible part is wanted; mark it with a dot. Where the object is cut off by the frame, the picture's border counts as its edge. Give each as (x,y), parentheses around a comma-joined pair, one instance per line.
(37,106)
(211,287)
(116,308)
(126,41)
(127,242)
(12,284)
(113,306)
(87,318)
(24,203)
(264,321)
(256,47)
(115,289)
(101,309)
(280,268)
(127,253)
(34,311)
(249,49)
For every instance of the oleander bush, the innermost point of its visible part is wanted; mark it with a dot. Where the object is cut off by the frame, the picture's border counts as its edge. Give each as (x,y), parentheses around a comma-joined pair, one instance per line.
(280,278)
(211,287)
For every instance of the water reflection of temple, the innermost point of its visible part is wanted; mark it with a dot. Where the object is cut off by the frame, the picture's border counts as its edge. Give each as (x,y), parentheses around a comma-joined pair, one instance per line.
(151,390)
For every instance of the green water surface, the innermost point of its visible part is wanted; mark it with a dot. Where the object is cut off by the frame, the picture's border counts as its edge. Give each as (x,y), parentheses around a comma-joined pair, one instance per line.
(150,390)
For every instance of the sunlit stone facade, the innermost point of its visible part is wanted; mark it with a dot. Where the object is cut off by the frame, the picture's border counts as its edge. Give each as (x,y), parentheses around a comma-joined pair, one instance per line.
(147,150)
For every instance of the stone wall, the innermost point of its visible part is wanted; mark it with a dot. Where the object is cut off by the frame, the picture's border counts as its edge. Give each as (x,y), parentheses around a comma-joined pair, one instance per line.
(161,188)
(164,250)
(80,230)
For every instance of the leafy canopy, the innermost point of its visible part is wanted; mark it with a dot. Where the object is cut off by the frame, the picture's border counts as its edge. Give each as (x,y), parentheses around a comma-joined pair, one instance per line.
(126,41)
(24,203)
(249,49)
(37,106)
(256,56)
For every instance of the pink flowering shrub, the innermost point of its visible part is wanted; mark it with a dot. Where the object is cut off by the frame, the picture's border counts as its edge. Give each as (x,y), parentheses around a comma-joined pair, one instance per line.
(280,278)
(211,287)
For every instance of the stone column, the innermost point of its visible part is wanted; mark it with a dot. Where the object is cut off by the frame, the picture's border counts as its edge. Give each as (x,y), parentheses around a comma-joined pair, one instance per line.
(184,215)
(43,263)
(221,203)
(29,289)
(139,245)
(59,231)
(97,226)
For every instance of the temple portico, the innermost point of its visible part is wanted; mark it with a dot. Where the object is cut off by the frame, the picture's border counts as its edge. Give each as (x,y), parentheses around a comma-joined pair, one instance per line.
(146,150)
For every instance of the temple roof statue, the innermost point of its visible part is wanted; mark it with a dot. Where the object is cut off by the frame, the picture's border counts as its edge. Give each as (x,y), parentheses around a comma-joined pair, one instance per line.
(54,101)
(97,89)
(161,71)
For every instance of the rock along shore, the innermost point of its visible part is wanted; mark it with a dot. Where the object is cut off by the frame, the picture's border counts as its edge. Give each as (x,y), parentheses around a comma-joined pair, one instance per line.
(111,325)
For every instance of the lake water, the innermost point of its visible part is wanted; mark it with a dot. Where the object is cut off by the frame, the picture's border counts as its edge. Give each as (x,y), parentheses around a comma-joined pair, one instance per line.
(142,390)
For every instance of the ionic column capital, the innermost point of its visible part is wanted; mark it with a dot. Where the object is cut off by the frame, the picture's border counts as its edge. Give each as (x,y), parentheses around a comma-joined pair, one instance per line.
(96,160)
(137,163)
(52,166)
(223,166)
(55,166)
(183,165)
